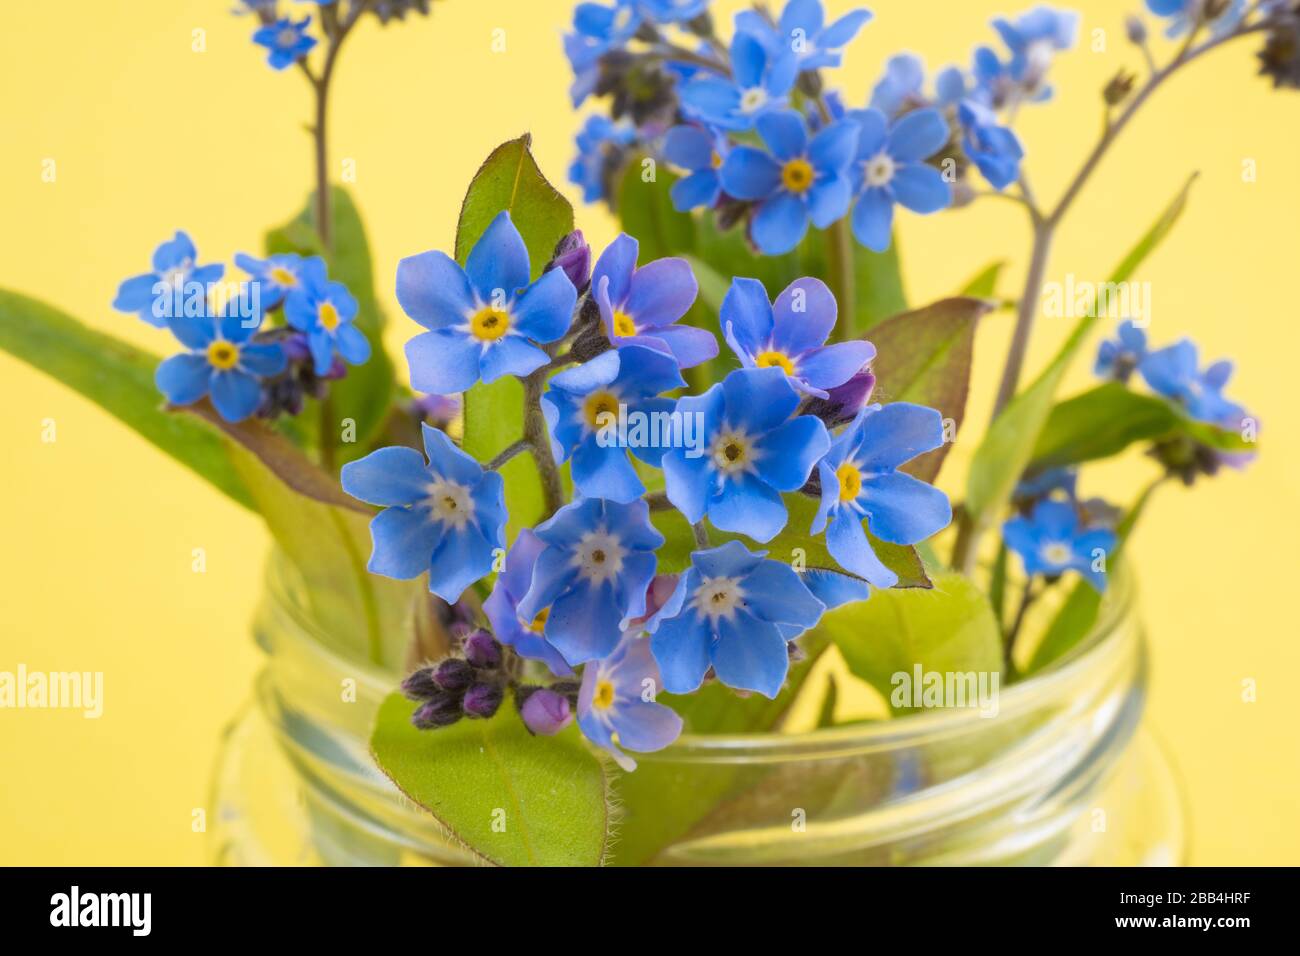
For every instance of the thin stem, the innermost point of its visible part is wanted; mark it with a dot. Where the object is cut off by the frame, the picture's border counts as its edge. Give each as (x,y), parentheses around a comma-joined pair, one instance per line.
(507,454)
(839,253)
(1027,598)
(658,501)
(535,437)
(701,535)
(1046,227)
(326,425)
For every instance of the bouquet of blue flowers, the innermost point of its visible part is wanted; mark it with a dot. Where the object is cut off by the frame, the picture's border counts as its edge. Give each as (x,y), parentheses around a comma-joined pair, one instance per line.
(627,495)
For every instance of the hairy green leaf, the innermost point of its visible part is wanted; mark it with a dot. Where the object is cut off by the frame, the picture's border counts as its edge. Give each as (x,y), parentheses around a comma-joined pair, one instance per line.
(511,798)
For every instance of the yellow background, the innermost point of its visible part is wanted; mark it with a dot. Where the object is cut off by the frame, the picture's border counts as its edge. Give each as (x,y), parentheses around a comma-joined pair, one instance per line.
(148,135)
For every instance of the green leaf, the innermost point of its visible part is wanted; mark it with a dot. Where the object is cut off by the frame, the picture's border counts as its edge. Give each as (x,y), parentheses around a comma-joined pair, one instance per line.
(119,378)
(365,395)
(513,799)
(949,628)
(794,543)
(878,287)
(984,285)
(359,612)
(1078,613)
(510,180)
(924,357)
(1009,443)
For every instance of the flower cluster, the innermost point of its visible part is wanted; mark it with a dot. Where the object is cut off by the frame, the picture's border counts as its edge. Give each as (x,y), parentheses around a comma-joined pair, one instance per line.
(288,40)
(259,346)
(586,589)
(757,135)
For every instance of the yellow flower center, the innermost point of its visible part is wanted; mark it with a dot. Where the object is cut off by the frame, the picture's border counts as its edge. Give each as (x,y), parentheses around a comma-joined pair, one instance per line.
(603,699)
(624,327)
(223,355)
(538,624)
(850,481)
(597,405)
(715,160)
(797,174)
(329,316)
(489,324)
(731,452)
(283,277)
(773,358)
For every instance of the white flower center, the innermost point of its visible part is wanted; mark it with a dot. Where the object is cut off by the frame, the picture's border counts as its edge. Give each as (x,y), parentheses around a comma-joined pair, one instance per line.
(287,38)
(451,503)
(600,556)
(752,99)
(734,452)
(879,169)
(719,598)
(1056,553)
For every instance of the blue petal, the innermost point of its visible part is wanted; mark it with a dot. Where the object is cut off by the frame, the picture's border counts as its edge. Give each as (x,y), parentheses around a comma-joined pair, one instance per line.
(545,311)
(661,292)
(873,219)
(750,173)
(789,452)
(446,460)
(746,315)
(784,133)
(750,655)
(645,726)
(584,623)
(848,545)
(352,344)
(595,373)
(511,355)
(689,147)
(262,359)
(873,132)
(193,331)
(834,589)
(897,433)
(689,346)
(235,394)
(749,506)
(834,147)
(681,649)
(1056,520)
(389,476)
(433,290)
(700,188)
(918,135)
(835,364)
(775,593)
(804,315)
(462,557)
(645,372)
(498,263)
(616,264)
(730,560)
(443,362)
(605,472)
(183,378)
(903,509)
(758,399)
(779,223)
(748,60)
(688,482)
(136,295)
(844,29)
(829,199)
(921,188)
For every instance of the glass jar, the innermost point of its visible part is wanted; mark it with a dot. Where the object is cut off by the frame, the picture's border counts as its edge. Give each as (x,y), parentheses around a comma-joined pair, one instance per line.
(1063,774)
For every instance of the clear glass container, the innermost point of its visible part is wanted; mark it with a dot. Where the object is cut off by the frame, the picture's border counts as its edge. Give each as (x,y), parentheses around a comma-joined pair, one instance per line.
(1063,774)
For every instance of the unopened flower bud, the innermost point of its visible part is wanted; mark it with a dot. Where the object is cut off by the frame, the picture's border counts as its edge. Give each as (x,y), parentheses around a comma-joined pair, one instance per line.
(482,700)
(421,685)
(843,402)
(1136,29)
(545,712)
(440,712)
(573,255)
(453,674)
(1119,87)
(482,650)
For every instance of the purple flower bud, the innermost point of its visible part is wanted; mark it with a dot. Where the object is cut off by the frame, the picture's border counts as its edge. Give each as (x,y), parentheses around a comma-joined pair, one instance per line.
(844,401)
(438,408)
(482,700)
(1136,30)
(439,712)
(545,712)
(573,255)
(295,348)
(421,685)
(453,674)
(482,650)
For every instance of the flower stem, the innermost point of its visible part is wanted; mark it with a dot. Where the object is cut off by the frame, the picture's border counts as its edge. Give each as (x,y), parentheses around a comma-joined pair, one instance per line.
(536,441)
(1027,598)
(839,254)
(507,454)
